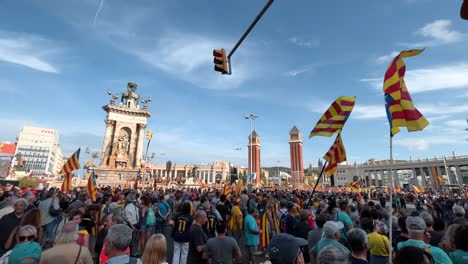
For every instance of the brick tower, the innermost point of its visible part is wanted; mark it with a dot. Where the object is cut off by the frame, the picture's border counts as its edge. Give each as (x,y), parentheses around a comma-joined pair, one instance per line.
(297,164)
(254,156)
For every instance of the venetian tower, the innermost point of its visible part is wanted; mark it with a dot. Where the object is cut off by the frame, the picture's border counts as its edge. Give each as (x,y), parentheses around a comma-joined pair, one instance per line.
(125,131)
(297,164)
(254,156)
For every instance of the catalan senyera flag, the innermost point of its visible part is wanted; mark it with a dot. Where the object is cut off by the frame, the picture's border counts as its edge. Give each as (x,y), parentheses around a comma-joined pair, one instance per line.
(398,103)
(227,189)
(73,163)
(333,120)
(239,186)
(91,187)
(336,154)
(356,184)
(440,180)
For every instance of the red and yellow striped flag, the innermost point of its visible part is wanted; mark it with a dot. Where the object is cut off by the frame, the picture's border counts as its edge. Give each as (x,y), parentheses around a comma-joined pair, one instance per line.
(335,117)
(239,186)
(91,187)
(336,154)
(398,103)
(440,180)
(73,163)
(226,190)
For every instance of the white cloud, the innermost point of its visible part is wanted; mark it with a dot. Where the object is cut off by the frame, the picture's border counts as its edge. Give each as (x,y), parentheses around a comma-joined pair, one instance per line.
(441,77)
(189,57)
(424,143)
(439,111)
(369,111)
(26,50)
(440,33)
(386,58)
(295,72)
(303,42)
(458,123)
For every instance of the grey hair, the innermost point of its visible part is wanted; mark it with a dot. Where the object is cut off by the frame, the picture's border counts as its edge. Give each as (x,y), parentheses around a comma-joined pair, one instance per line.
(458,210)
(118,219)
(29,228)
(357,236)
(427,218)
(21,200)
(67,235)
(332,255)
(119,236)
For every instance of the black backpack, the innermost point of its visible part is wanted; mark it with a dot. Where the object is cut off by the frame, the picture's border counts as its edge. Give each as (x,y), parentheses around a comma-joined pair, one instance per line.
(282,223)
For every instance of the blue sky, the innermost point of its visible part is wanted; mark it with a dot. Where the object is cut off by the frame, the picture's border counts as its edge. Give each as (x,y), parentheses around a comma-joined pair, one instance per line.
(58,58)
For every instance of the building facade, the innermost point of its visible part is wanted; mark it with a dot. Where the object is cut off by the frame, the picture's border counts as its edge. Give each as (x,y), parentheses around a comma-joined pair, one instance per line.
(434,173)
(37,150)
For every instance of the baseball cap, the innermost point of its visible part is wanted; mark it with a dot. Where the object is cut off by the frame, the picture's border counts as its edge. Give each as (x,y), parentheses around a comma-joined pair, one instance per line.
(415,223)
(28,250)
(284,248)
(201,207)
(331,227)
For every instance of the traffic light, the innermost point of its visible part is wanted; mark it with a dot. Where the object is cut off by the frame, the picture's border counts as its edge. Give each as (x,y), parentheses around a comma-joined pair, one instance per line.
(149,134)
(464,10)
(220,61)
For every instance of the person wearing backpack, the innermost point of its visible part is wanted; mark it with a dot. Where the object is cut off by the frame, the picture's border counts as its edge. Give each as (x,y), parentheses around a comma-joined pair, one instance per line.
(162,214)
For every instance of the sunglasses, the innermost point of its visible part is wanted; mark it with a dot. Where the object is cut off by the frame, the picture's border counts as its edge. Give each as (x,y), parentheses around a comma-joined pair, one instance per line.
(28,238)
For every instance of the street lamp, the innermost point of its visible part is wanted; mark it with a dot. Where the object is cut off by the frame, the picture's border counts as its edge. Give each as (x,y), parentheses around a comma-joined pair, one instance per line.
(251,117)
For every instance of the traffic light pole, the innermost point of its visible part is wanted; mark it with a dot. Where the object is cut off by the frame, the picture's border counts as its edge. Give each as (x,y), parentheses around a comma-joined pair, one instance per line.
(252,25)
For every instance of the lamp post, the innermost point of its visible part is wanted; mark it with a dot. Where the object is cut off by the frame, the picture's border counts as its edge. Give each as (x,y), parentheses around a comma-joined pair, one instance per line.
(251,117)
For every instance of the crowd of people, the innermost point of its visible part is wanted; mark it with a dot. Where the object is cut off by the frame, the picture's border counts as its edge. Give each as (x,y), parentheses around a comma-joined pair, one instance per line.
(203,225)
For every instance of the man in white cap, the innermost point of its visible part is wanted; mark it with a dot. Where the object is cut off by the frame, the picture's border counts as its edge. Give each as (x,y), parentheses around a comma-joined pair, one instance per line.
(417,233)
(331,236)
(286,249)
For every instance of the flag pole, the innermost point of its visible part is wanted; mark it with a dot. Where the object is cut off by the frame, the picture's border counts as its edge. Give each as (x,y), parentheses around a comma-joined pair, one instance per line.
(391,198)
(316,183)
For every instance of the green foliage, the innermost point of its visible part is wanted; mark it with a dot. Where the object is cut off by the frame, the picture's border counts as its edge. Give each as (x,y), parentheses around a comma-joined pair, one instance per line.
(28,182)
(273,171)
(263,178)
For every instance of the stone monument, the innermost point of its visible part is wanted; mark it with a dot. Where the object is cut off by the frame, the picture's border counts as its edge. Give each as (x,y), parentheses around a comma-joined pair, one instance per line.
(123,141)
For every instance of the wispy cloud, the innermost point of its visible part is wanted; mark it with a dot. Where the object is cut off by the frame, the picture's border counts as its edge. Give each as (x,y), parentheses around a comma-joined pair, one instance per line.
(386,58)
(452,76)
(27,50)
(438,32)
(298,71)
(301,42)
(438,111)
(457,123)
(189,57)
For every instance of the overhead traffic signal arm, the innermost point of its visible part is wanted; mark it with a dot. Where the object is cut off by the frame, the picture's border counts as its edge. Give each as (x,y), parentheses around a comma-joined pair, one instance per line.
(464,10)
(221,62)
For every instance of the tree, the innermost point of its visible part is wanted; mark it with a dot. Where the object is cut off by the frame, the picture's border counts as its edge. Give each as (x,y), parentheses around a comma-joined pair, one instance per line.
(26,182)
(263,178)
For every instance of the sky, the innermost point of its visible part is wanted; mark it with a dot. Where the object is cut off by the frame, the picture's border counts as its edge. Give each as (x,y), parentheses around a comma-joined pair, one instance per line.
(59,58)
